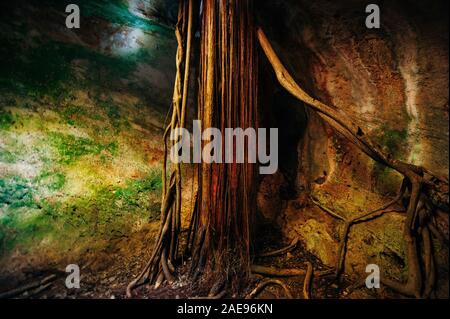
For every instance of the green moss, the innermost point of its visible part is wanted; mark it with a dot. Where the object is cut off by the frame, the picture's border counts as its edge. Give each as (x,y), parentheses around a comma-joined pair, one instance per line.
(33,71)
(7,157)
(6,119)
(109,212)
(130,193)
(47,69)
(73,115)
(50,180)
(71,148)
(392,141)
(113,112)
(16,192)
(25,228)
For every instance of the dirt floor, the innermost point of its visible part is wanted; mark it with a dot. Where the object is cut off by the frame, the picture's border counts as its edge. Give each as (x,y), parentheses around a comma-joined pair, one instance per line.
(106,274)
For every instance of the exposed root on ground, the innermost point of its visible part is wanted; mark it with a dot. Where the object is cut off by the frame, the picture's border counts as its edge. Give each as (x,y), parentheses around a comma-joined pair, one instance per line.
(281,251)
(266,282)
(285,272)
(308,281)
(349,222)
(32,288)
(160,266)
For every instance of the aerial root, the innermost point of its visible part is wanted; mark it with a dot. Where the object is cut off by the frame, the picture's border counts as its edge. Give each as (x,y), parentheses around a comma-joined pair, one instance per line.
(159,267)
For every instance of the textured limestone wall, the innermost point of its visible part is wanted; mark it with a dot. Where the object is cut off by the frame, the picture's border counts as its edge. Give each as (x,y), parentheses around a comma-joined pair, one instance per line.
(81,118)
(394,82)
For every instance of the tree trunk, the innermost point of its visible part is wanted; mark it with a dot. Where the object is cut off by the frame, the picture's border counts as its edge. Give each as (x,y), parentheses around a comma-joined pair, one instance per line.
(226,99)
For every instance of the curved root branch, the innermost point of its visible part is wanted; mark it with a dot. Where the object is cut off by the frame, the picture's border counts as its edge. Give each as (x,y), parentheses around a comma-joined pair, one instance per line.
(308,281)
(286,249)
(266,282)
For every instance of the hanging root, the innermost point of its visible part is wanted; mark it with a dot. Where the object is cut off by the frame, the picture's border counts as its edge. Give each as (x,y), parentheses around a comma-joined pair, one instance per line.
(220,295)
(34,288)
(266,282)
(426,190)
(160,267)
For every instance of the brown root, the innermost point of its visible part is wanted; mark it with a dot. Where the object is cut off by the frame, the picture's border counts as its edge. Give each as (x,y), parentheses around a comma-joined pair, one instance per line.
(420,181)
(281,251)
(220,295)
(165,252)
(285,272)
(266,282)
(35,287)
(307,282)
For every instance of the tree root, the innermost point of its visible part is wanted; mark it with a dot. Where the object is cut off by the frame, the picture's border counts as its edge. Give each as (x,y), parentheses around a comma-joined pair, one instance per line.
(308,281)
(286,272)
(160,265)
(36,286)
(291,246)
(266,282)
(348,223)
(220,295)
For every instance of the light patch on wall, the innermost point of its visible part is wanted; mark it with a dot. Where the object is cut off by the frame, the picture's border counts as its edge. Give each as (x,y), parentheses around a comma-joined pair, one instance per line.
(410,72)
(127,42)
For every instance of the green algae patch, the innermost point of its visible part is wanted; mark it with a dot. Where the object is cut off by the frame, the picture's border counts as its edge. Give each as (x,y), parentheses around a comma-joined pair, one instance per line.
(16,192)
(71,148)
(48,68)
(130,194)
(7,156)
(393,142)
(53,181)
(109,212)
(76,155)
(6,119)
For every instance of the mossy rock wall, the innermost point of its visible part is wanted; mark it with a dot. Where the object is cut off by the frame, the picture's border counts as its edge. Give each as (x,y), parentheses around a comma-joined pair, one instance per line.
(81,118)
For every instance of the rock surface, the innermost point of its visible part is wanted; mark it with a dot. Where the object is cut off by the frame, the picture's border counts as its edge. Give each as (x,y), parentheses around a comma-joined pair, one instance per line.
(392,81)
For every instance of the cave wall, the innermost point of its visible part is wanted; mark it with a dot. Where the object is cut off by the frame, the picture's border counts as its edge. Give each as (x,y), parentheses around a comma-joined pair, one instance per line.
(81,120)
(393,81)
(82,113)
